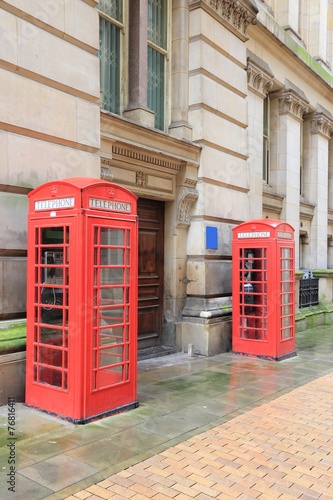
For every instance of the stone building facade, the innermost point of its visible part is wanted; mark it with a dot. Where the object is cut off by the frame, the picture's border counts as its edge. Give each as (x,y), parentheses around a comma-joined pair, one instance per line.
(212,112)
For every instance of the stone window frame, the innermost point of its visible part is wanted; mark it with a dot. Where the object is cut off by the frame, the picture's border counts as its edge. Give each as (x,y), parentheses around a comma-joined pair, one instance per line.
(134,63)
(122,25)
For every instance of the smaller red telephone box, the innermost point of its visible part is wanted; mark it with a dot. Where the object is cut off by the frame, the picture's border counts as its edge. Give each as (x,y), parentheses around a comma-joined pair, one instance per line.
(263,289)
(82,299)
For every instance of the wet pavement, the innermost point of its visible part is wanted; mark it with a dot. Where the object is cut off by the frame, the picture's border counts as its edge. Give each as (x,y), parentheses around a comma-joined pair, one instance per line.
(226,426)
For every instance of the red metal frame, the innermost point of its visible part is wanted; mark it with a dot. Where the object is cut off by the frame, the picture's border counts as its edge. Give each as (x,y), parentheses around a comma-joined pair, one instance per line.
(263,284)
(82,299)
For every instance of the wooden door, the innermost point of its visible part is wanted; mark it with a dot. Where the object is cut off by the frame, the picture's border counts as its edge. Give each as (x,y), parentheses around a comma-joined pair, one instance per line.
(150,263)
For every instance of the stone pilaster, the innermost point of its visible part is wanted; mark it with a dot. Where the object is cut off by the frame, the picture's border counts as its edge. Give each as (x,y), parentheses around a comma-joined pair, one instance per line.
(217,113)
(316,186)
(260,82)
(179,126)
(288,106)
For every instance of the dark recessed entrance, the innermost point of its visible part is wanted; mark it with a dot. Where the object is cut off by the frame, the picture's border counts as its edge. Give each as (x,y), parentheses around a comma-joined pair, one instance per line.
(150,263)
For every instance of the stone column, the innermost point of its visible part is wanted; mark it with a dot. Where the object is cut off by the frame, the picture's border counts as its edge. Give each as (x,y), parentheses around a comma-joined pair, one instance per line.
(288,107)
(316,187)
(137,109)
(180,127)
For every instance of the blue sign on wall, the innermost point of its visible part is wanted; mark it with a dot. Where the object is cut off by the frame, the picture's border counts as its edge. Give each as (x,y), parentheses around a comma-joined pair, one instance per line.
(211,238)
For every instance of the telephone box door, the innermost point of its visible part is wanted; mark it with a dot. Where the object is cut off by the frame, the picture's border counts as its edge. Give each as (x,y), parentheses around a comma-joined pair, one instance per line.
(112,326)
(49,344)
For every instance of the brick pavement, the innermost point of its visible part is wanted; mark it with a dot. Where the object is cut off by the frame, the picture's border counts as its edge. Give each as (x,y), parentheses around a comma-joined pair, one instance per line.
(282,449)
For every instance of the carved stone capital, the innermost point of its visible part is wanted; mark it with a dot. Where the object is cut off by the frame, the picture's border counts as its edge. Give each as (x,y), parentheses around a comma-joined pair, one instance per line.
(238,14)
(322,125)
(186,198)
(290,104)
(259,81)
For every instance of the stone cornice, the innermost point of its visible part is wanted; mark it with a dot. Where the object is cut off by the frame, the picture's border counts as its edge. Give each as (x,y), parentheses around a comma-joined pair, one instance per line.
(125,134)
(237,14)
(143,157)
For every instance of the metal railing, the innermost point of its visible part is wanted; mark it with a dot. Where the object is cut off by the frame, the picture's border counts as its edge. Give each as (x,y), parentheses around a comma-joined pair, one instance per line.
(308,292)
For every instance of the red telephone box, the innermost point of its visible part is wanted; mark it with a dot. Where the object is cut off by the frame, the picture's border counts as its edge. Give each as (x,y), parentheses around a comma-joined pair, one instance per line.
(263,289)
(82,299)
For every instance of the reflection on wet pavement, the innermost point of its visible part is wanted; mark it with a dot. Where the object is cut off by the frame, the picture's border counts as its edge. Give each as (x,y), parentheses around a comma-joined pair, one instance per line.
(179,397)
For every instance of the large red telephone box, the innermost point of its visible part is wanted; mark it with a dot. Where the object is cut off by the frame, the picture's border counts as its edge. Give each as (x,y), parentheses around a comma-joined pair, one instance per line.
(263,289)
(82,299)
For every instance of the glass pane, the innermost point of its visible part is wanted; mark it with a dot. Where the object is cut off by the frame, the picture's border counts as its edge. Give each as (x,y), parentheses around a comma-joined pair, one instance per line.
(112,316)
(286,253)
(266,116)
(112,256)
(51,336)
(109,336)
(112,8)
(156,79)
(286,298)
(53,235)
(286,275)
(113,237)
(265,166)
(109,55)
(286,310)
(286,321)
(157,22)
(286,264)
(111,296)
(50,356)
(111,356)
(112,275)
(110,376)
(49,376)
(65,381)
(287,333)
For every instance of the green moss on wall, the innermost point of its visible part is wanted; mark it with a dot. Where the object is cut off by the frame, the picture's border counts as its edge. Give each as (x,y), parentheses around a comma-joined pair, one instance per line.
(12,338)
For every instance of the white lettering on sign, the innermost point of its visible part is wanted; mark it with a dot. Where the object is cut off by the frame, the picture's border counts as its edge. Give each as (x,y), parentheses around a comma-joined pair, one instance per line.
(284,234)
(55,203)
(255,234)
(118,206)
